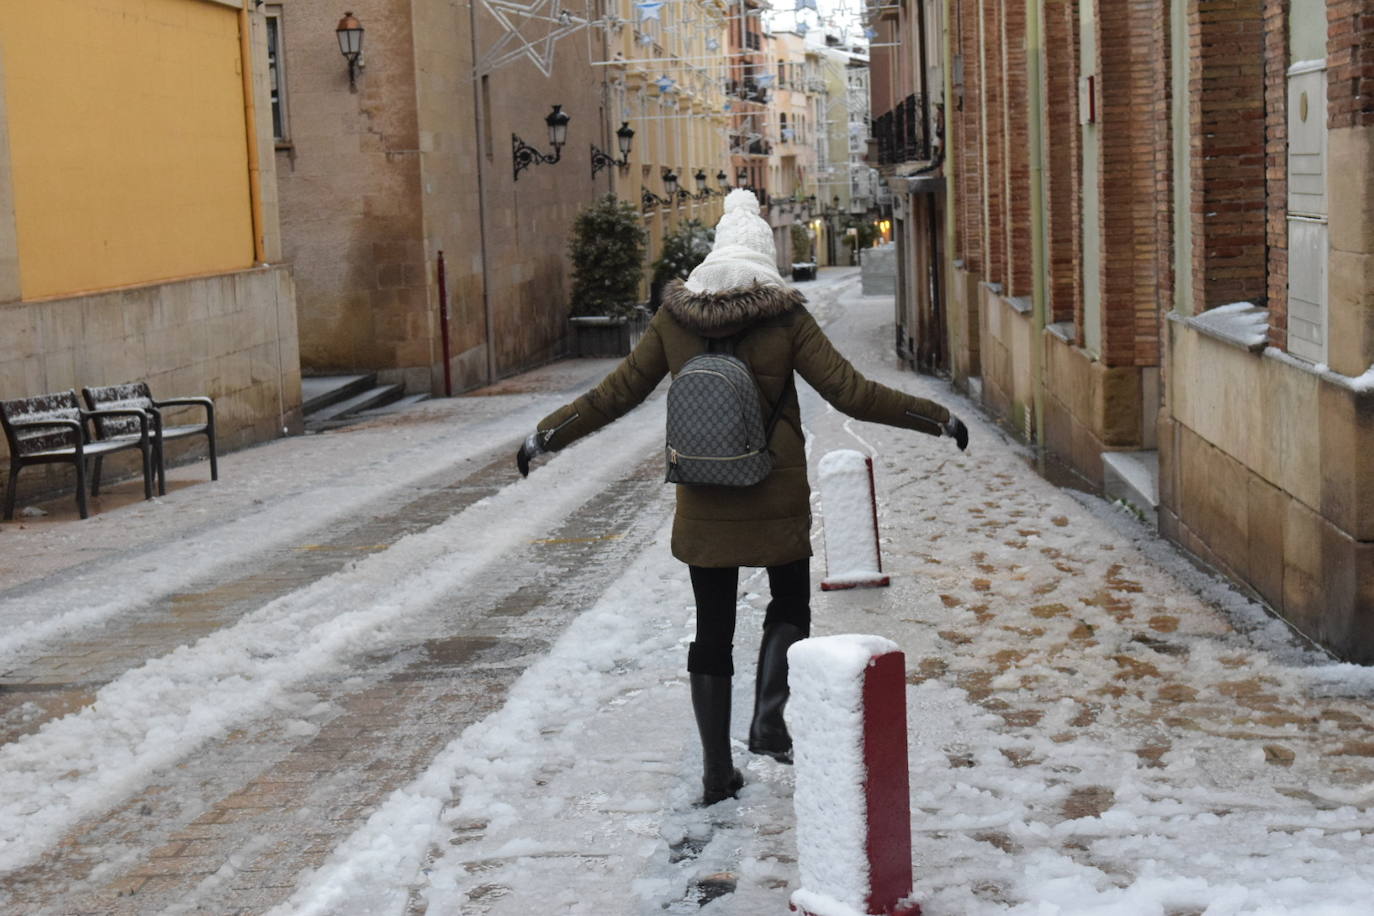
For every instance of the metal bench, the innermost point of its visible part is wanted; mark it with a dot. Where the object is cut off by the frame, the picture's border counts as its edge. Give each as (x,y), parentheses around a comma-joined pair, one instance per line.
(51,429)
(138,396)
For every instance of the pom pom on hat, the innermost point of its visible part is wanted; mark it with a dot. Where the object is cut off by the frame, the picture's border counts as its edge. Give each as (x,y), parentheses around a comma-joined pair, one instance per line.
(743,254)
(740,199)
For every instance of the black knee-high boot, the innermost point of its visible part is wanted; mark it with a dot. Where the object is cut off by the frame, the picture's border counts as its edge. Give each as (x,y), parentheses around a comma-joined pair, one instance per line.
(711,703)
(768,732)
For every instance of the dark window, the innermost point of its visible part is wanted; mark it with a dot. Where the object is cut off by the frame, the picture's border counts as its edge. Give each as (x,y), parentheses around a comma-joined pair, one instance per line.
(276,76)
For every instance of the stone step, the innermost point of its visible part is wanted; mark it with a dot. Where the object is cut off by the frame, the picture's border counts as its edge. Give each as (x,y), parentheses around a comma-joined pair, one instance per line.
(397,406)
(1134,478)
(321,391)
(371,398)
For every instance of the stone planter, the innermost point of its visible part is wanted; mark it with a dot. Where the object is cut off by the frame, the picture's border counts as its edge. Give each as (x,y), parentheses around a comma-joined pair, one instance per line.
(607,335)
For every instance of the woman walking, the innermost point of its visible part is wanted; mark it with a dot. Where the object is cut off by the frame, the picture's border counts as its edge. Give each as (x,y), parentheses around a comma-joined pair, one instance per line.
(736,302)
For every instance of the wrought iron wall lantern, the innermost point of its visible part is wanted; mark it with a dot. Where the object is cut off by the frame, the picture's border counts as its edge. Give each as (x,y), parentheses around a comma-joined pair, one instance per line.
(703,192)
(648,199)
(350,35)
(526,155)
(724,181)
(676,192)
(623,138)
(742,178)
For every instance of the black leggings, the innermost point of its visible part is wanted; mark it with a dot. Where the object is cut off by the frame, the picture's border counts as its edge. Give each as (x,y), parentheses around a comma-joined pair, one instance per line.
(716,589)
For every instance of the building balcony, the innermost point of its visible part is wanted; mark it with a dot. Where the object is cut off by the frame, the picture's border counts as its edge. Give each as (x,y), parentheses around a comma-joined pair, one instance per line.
(903,134)
(747,90)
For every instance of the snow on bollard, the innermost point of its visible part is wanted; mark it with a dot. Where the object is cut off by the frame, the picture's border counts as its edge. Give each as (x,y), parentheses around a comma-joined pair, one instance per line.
(851,521)
(847,716)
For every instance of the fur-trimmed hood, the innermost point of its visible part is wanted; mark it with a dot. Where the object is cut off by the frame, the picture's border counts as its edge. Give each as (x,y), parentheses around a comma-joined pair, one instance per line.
(727,312)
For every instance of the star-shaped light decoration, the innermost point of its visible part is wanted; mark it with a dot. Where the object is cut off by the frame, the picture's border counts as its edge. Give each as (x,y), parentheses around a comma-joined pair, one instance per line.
(665,84)
(530,30)
(712,44)
(649,10)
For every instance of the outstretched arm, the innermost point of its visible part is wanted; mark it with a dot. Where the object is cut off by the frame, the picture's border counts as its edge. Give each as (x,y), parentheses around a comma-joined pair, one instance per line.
(616,395)
(836,379)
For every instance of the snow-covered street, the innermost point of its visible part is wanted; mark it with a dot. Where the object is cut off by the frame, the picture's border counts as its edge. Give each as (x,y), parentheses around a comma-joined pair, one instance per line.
(375,671)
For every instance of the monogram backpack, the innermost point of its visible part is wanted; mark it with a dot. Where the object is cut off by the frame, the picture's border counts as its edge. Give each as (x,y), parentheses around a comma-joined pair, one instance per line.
(717,434)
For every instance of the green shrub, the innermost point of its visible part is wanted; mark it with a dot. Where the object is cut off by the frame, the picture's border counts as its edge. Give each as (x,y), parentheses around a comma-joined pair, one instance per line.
(865,235)
(683,249)
(607,252)
(801,243)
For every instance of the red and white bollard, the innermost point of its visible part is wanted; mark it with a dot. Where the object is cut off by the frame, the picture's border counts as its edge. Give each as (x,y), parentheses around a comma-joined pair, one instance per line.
(847,716)
(850,504)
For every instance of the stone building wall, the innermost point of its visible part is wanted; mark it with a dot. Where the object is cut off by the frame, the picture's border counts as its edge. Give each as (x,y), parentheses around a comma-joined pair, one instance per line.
(375,183)
(229,333)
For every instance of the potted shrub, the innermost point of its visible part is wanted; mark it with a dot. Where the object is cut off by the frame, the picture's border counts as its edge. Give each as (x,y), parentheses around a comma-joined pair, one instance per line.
(860,233)
(607,253)
(803,261)
(683,249)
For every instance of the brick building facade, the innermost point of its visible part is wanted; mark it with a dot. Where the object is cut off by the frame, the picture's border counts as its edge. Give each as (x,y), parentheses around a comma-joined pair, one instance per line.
(1160,254)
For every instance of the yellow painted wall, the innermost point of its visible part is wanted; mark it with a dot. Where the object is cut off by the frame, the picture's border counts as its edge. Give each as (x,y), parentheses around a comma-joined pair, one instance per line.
(127,140)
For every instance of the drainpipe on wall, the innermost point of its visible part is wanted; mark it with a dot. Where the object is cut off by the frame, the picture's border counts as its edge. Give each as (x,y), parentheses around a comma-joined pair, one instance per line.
(443,328)
(947,275)
(250,120)
(1039,229)
(251,131)
(479,155)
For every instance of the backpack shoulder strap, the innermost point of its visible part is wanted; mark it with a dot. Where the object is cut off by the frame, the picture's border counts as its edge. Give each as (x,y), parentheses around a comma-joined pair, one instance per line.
(776,414)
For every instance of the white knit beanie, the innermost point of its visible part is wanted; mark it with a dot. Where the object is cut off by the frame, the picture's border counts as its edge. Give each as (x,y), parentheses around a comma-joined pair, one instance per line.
(743,253)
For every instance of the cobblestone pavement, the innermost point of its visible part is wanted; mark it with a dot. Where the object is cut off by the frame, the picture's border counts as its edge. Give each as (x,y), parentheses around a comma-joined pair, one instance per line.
(229,829)
(1085,695)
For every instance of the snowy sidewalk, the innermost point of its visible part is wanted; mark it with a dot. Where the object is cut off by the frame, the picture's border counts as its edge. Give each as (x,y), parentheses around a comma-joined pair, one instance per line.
(408,681)
(1095,726)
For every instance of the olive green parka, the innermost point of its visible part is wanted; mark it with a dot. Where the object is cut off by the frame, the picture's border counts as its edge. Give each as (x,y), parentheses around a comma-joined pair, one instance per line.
(768,524)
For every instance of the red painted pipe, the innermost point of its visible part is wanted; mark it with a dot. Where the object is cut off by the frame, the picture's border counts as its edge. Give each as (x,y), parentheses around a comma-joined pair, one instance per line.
(443,328)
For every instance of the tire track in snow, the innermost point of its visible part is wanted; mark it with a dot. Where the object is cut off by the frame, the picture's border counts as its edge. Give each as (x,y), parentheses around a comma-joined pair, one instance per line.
(161,626)
(30,616)
(155,715)
(280,801)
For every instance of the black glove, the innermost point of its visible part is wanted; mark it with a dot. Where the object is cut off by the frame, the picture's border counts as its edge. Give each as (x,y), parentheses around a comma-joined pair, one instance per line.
(534,445)
(956,428)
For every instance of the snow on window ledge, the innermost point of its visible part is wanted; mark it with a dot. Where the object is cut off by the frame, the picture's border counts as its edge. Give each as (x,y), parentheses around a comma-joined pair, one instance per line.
(1064,330)
(1360,384)
(1240,324)
(1246,325)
